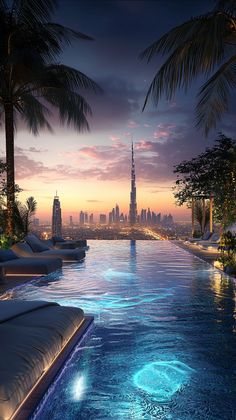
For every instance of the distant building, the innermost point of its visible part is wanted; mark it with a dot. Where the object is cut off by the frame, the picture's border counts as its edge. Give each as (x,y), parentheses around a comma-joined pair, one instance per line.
(117,214)
(102,219)
(85,217)
(91,219)
(133,204)
(56,217)
(81,218)
(71,222)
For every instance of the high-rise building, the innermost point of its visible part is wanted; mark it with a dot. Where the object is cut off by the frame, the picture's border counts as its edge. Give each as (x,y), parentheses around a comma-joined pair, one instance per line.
(117,215)
(56,217)
(102,219)
(71,222)
(81,218)
(91,219)
(86,217)
(133,204)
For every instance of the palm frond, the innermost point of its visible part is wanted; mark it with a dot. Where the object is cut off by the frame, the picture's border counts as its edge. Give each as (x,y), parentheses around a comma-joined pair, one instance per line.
(33,112)
(68,77)
(228,6)
(214,96)
(72,107)
(33,11)
(192,53)
(64,34)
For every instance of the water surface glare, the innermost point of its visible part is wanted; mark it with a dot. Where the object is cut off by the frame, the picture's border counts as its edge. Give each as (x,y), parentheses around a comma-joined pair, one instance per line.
(164,342)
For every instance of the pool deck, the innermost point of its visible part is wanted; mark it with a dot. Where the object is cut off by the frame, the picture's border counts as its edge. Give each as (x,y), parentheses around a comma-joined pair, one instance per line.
(206,255)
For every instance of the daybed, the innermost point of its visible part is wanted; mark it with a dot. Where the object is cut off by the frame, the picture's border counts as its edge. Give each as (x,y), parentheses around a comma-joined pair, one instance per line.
(12,264)
(213,242)
(33,335)
(61,243)
(31,248)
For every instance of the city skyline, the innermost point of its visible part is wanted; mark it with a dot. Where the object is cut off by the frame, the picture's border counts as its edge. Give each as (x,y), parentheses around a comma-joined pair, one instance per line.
(91,170)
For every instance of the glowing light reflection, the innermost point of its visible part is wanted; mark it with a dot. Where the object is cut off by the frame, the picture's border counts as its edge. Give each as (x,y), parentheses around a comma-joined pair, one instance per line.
(79,388)
(163,379)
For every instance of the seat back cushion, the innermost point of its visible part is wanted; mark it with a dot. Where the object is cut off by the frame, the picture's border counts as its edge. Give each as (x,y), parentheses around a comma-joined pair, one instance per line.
(206,235)
(7,255)
(57,239)
(36,244)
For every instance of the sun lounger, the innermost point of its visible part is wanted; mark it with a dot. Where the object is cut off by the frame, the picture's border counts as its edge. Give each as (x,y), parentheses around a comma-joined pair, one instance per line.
(61,243)
(14,265)
(34,336)
(205,237)
(213,242)
(32,248)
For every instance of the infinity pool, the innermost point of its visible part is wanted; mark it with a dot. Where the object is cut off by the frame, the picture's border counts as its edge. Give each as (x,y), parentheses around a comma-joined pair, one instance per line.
(164,341)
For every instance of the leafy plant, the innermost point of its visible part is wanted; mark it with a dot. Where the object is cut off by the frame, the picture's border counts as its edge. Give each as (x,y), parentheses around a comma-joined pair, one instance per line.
(227,249)
(211,173)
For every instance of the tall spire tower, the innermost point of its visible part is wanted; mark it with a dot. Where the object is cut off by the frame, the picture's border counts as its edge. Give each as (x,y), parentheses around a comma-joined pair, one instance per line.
(133,204)
(56,217)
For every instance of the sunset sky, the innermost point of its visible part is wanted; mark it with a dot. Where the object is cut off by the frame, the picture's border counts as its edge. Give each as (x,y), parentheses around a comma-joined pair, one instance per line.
(91,171)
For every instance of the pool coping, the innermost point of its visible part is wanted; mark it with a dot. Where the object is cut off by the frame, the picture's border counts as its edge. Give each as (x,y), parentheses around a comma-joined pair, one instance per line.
(32,400)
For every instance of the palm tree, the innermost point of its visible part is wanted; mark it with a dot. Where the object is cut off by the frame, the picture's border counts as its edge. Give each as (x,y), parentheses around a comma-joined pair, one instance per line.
(23,215)
(32,83)
(206,46)
(200,216)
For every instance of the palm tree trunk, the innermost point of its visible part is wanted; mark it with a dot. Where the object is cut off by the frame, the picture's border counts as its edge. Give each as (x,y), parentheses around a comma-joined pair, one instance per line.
(9,132)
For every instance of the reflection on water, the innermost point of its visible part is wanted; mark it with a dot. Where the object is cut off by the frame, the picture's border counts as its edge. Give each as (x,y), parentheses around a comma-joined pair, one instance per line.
(164,341)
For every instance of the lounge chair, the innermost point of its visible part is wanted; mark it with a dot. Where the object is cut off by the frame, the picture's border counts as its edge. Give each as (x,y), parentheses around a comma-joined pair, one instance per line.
(61,243)
(212,243)
(36,337)
(13,265)
(205,237)
(39,250)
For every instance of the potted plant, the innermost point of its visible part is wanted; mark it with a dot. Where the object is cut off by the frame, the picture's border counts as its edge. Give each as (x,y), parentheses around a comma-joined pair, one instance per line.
(227,249)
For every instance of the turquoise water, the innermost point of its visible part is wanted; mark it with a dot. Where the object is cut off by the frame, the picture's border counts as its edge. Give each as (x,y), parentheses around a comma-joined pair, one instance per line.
(164,341)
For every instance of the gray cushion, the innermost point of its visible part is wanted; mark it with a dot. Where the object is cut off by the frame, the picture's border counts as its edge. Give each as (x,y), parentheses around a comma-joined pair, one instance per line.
(31,266)
(22,249)
(35,243)
(29,344)
(7,255)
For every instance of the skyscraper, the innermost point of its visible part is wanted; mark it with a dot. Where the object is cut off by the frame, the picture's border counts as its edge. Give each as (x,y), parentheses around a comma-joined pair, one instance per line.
(133,204)
(56,217)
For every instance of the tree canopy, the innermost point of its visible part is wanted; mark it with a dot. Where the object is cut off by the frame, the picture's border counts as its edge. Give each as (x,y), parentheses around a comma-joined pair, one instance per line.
(211,173)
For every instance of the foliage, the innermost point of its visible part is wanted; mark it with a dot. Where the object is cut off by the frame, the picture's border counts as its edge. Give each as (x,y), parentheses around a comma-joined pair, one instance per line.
(33,85)
(228,250)
(23,213)
(212,172)
(203,46)
(7,241)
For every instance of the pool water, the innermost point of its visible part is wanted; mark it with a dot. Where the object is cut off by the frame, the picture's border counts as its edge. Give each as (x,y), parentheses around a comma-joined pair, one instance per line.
(164,341)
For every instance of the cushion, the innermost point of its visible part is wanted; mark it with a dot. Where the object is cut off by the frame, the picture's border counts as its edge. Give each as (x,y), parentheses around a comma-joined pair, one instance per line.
(7,255)
(57,239)
(215,237)
(206,236)
(36,244)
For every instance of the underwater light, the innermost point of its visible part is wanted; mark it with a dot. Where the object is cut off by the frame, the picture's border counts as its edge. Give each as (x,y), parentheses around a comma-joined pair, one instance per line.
(163,379)
(79,387)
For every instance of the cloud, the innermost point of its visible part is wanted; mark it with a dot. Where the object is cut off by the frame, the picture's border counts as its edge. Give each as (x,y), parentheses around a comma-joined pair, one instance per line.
(94,201)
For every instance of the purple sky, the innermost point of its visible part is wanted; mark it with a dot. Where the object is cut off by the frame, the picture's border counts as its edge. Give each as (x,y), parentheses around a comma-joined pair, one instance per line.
(101,159)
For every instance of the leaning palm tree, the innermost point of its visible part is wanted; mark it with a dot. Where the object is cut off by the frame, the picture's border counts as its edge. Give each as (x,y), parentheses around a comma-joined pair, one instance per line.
(32,83)
(203,46)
